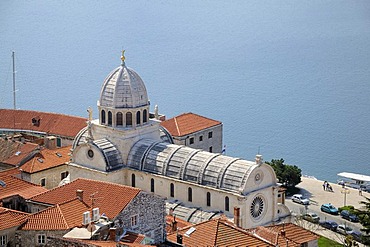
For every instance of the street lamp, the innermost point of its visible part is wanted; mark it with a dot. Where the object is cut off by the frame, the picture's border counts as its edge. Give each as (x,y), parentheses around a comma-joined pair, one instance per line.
(345,191)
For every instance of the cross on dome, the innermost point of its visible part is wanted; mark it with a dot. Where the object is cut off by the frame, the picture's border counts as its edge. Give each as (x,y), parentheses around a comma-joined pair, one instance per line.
(123,57)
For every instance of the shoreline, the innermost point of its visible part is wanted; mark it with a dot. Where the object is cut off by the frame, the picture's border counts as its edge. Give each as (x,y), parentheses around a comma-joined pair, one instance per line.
(312,188)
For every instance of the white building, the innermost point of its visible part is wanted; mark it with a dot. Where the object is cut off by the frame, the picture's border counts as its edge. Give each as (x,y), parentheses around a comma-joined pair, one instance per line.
(195,131)
(125,146)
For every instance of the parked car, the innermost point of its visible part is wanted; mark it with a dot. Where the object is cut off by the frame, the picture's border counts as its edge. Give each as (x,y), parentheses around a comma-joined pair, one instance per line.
(329,224)
(357,236)
(328,208)
(349,216)
(311,217)
(300,199)
(345,230)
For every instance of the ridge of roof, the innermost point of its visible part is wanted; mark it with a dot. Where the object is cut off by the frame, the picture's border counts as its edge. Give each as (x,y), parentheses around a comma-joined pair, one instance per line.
(41,112)
(188,123)
(51,123)
(106,190)
(49,157)
(60,216)
(10,218)
(177,126)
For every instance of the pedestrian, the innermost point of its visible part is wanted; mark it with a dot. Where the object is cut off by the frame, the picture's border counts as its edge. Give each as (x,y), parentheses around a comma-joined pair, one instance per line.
(360,191)
(323,185)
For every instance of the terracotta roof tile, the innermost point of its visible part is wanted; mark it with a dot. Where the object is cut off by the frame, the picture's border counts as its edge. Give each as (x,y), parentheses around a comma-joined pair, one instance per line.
(58,217)
(46,159)
(17,186)
(216,232)
(11,218)
(295,233)
(180,223)
(21,153)
(11,171)
(188,123)
(107,195)
(289,233)
(51,123)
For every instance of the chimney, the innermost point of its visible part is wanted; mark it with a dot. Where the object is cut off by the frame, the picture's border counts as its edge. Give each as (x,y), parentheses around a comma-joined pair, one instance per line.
(282,233)
(237,216)
(50,142)
(174,224)
(179,238)
(259,159)
(112,234)
(80,194)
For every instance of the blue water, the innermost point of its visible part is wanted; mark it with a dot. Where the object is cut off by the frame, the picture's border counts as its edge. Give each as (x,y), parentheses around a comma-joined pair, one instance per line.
(288,78)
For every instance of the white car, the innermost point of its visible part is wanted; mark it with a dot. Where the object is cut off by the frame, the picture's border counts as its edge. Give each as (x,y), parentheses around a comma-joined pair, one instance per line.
(345,230)
(300,199)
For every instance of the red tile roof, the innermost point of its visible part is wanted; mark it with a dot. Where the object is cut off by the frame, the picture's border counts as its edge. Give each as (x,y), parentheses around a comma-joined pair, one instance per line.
(188,123)
(51,123)
(108,196)
(216,232)
(11,218)
(62,216)
(289,234)
(13,152)
(170,228)
(11,171)
(46,159)
(17,186)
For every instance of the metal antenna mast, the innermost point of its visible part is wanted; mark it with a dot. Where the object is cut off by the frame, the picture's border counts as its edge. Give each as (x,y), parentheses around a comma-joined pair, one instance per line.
(13,55)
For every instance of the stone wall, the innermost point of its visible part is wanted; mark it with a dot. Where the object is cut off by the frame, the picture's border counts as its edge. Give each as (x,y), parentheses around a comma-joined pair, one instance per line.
(10,233)
(60,242)
(150,211)
(25,238)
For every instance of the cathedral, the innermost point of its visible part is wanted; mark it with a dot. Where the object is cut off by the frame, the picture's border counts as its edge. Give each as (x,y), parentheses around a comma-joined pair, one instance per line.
(127,145)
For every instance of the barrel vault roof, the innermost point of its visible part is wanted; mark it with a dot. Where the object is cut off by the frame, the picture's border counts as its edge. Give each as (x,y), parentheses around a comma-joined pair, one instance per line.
(188,164)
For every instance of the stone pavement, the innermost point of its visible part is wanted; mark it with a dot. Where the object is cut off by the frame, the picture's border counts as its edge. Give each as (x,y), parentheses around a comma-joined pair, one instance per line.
(313,190)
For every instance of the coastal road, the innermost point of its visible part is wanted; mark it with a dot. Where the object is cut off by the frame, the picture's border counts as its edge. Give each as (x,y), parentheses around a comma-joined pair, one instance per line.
(312,189)
(298,209)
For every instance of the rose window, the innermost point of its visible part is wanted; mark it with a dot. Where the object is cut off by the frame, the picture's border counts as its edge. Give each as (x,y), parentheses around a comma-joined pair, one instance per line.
(257,207)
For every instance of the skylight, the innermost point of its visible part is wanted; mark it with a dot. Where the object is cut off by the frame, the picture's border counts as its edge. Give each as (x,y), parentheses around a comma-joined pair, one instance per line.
(190,231)
(58,154)
(18,153)
(40,160)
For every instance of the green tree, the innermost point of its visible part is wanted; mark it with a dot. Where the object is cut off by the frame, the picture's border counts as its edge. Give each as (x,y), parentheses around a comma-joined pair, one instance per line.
(288,175)
(364,216)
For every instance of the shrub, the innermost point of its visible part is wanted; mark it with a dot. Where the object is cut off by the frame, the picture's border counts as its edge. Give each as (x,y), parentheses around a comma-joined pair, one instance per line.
(349,208)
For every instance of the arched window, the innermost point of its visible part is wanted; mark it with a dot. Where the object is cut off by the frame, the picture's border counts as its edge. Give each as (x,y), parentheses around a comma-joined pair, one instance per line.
(109,118)
(119,119)
(190,194)
(133,180)
(145,116)
(138,117)
(227,206)
(172,190)
(152,185)
(128,119)
(208,199)
(102,116)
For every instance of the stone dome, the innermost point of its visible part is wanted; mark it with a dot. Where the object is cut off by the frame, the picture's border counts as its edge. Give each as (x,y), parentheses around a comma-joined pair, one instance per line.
(123,88)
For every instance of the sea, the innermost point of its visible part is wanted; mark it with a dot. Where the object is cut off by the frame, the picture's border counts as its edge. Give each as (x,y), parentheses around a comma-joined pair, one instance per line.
(289,79)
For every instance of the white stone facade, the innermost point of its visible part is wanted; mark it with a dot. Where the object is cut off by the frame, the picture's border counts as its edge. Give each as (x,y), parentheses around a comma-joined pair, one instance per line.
(209,139)
(136,155)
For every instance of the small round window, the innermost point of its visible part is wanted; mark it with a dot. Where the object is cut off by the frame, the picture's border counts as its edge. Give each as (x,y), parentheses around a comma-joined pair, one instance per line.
(90,153)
